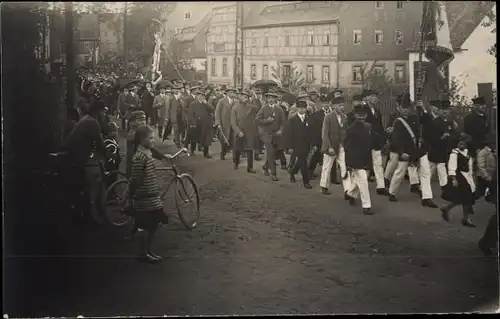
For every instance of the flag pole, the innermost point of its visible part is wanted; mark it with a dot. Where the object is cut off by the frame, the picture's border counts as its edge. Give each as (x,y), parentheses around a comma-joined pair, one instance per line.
(420,74)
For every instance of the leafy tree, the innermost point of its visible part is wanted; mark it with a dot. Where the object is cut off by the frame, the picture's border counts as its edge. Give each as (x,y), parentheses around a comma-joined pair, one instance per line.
(491,22)
(293,81)
(375,79)
(453,93)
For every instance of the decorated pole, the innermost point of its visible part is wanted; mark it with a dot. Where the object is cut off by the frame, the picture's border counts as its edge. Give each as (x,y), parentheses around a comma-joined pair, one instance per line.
(158,33)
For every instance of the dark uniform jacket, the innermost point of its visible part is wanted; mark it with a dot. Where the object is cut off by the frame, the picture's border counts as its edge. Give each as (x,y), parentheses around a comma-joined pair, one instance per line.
(476,126)
(377,128)
(298,134)
(317,119)
(358,146)
(439,147)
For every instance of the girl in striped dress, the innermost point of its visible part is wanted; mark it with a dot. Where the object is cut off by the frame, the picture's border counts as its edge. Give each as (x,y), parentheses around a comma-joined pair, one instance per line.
(144,191)
(460,187)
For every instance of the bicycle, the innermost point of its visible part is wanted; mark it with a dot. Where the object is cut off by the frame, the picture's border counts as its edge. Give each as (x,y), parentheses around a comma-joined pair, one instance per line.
(56,178)
(117,195)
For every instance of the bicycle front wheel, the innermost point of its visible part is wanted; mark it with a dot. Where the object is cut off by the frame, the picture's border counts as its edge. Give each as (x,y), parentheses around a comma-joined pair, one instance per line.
(116,201)
(187,201)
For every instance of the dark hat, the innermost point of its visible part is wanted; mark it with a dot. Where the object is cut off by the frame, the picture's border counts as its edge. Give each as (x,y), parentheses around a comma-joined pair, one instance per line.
(445,105)
(177,87)
(324,98)
(229,89)
(186,84)
(198,90)
(337,91)
(359,108)
(301,104)
(490,140)
(223,87)
(338,100)
(303,96)
(463,137)
(323,90)
(279,90)
(271,94)
(258,91)
(194,88)
(137,115)
(244,92)
(403,98)
(478,100)
(366,93)
(357,98)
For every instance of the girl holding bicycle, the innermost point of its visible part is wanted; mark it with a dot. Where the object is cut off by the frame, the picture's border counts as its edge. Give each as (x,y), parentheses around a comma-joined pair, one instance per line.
(147,204)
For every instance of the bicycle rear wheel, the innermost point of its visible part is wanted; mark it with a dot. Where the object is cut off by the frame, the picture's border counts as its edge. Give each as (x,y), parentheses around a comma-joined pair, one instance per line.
(116,201)
(187,201)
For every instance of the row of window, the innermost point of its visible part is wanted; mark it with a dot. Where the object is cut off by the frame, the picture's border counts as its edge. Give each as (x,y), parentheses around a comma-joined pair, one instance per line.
(357,37)
(357,71)
(399,72)
(306,5)
(311,39)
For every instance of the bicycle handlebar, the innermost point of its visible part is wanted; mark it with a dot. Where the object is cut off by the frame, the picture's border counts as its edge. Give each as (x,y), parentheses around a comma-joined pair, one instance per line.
(182,151)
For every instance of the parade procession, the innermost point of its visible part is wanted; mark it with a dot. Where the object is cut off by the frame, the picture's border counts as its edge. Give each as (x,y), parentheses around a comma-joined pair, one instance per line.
(251,158)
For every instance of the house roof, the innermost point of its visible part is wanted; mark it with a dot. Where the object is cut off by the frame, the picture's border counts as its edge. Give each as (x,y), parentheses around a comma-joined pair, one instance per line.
(293,12)
(189,33)
(463,19)
(198,11)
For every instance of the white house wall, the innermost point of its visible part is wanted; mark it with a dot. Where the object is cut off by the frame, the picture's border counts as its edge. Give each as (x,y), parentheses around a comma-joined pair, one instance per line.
(475,65)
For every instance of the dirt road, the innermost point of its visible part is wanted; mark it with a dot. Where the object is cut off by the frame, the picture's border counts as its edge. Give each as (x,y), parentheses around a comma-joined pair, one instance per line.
(266,247)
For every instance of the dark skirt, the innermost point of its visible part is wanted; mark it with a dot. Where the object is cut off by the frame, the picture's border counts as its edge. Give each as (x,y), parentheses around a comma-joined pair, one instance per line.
(150,220)
(460,195)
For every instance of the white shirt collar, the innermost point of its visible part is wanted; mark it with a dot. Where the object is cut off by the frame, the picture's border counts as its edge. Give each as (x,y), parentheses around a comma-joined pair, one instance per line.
(302,117)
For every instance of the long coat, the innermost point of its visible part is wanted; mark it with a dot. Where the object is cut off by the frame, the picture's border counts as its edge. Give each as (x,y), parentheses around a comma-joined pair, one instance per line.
(316,127)
(161,104)
(358,146)
(223,117)
(187,99)
(175,111)
(268,129)
(298,134)
(332,133)
(243,120)
(200,116)
(476,126)
(377,128)
(147,99)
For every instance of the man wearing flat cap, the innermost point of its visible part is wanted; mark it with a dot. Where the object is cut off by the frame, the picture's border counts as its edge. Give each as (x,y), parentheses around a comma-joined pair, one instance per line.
(476,125)
(223,120)
(245,133)
(271,122)
(160,105)
(332,137)
(188,97)
(358,146)
(314,96)
(200,123)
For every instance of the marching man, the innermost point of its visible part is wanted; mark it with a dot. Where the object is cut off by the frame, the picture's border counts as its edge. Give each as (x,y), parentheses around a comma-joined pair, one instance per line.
(333,135)
(358,148)
(411,151)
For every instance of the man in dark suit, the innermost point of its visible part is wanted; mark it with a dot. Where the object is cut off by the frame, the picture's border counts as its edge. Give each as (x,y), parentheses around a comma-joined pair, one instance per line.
(358,147)
(271,122)
(476,125)
(411,150)
(298,138)
(317,119)
(200,123)
(258,101)
(374,117)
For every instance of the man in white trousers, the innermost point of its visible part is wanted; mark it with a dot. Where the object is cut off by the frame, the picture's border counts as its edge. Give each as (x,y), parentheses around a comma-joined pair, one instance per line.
(393,159)
(441,139)
(411,151)
(333,135)
(358,146)
(374,117)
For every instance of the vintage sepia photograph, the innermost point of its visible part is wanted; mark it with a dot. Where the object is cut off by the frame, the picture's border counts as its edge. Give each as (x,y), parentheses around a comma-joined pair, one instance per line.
(249,158)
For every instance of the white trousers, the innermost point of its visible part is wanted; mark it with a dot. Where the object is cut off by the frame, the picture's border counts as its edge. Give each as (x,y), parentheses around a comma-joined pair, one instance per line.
(392,164)
(359,187)
(378,169)
(424,174)
(328,162)
(441,172)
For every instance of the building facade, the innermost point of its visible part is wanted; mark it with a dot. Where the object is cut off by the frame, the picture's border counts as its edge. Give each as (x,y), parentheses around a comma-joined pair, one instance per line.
(221,45)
